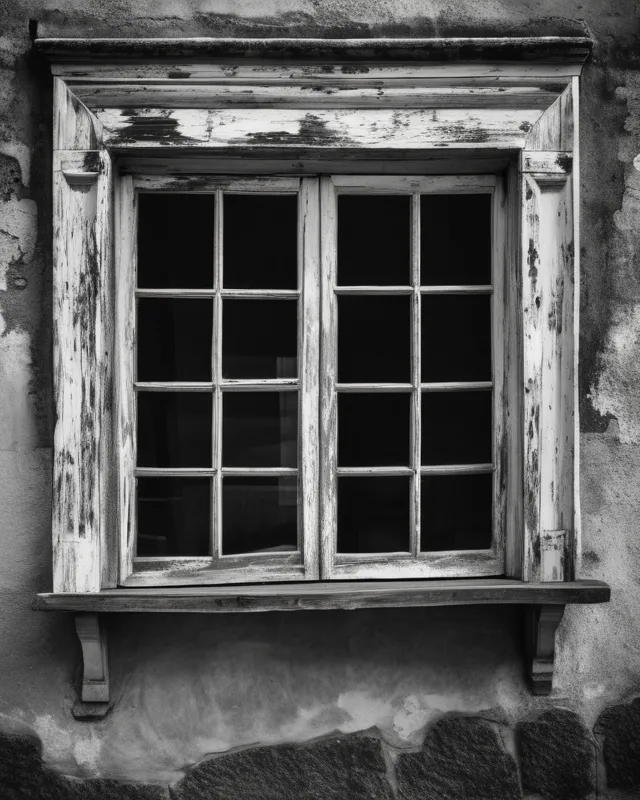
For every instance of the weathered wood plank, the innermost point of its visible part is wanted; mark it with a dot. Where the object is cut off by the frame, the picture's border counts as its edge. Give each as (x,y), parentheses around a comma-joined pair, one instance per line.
(323,128)
(562,51)
(326,596)
(512,452)
(83,331)
(309,281)
(328,375)
(435,162)
(548,361)
(329,94)
(553,130)
(125,310)
(74,126)
(387,566)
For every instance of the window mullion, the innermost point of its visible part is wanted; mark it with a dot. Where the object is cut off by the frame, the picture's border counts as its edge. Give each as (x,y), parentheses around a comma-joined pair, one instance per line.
(216,360)
(309,374)
(416,435)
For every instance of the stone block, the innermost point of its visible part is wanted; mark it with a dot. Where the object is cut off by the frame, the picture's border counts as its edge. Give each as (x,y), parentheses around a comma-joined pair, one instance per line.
(557,756)
(346,768)
(620,728)
(24,777)
(462,758)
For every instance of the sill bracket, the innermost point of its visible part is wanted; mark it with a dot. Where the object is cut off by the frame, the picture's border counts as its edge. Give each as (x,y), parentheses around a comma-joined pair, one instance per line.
(94,696)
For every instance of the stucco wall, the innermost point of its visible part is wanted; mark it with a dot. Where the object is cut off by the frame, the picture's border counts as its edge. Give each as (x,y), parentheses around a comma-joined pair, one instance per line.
(185,687)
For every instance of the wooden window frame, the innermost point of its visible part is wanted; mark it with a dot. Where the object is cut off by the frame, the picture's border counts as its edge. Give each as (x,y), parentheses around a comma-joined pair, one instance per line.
(187,107)
(219,568)
(416,563)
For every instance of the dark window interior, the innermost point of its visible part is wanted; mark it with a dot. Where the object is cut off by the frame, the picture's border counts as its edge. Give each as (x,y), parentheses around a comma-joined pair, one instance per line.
(260,241)
(175,241)
(173,516)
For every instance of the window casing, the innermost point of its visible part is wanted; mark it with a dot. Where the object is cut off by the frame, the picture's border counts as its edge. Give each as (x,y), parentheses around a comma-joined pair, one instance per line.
(488,116)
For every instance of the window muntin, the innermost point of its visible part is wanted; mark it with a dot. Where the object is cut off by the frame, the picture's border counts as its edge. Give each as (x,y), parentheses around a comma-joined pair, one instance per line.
(254,461)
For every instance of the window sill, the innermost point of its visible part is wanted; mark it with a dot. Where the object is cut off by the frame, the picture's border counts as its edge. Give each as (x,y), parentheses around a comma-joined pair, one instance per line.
(345,595)
(544,603)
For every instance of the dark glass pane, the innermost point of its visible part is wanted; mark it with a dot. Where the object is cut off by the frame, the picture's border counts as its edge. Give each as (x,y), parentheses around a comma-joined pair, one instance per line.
(260,241)
(374,339)
(455,239)
(259,338)
(456,512)
(373,430)
(456,338)
(175,241)
(260,429)
(174,339)
(456,428)
(373,515)
(259,515)
(174,429)
(174,516)
(374,240)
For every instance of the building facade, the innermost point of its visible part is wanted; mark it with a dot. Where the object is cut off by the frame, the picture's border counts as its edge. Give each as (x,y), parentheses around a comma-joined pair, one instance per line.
(378,702)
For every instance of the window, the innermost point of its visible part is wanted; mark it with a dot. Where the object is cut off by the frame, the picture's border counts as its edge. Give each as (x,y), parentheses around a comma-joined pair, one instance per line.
(402,404)
(233,288)
(374,379)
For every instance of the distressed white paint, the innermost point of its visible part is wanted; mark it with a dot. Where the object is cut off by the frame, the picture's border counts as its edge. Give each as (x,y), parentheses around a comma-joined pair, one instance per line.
(354,124)
(348,129)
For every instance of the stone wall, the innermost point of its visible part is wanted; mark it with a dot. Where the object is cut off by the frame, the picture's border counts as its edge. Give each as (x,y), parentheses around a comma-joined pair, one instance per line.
(188,687)
(553,756)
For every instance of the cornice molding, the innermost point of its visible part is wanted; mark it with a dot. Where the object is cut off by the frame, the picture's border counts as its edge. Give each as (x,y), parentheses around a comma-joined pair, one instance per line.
(574,49)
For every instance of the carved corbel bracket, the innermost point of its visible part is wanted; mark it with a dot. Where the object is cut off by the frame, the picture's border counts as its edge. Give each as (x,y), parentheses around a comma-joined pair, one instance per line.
(94,697)
(542,624)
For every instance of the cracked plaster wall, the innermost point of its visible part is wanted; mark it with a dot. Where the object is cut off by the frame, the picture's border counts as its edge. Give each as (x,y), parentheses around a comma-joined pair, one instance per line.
(188,686)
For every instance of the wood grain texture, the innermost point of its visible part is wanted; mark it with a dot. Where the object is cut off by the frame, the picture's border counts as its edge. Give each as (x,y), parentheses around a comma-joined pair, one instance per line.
(125,308)
(553,130)
(326,596)
(548,301)
(328,377)
(513,451)
(74,126)
(83,347)
(484,53)
(321,128)
(309,280)
(231,93)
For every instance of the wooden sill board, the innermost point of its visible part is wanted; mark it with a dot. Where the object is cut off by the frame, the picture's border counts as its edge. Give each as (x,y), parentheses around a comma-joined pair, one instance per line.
(337,595)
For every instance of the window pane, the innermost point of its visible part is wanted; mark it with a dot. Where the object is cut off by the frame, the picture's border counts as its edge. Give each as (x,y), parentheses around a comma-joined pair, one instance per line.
(260,429)
(259,515)
(374,339)
(174,339)
(259,339)
(373,430)
(174,516)
(456,512)
(456,428)
(174,429)
(374,240)
(373,514)
(175,241)
(456,338)
(260,241)
(455,239)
